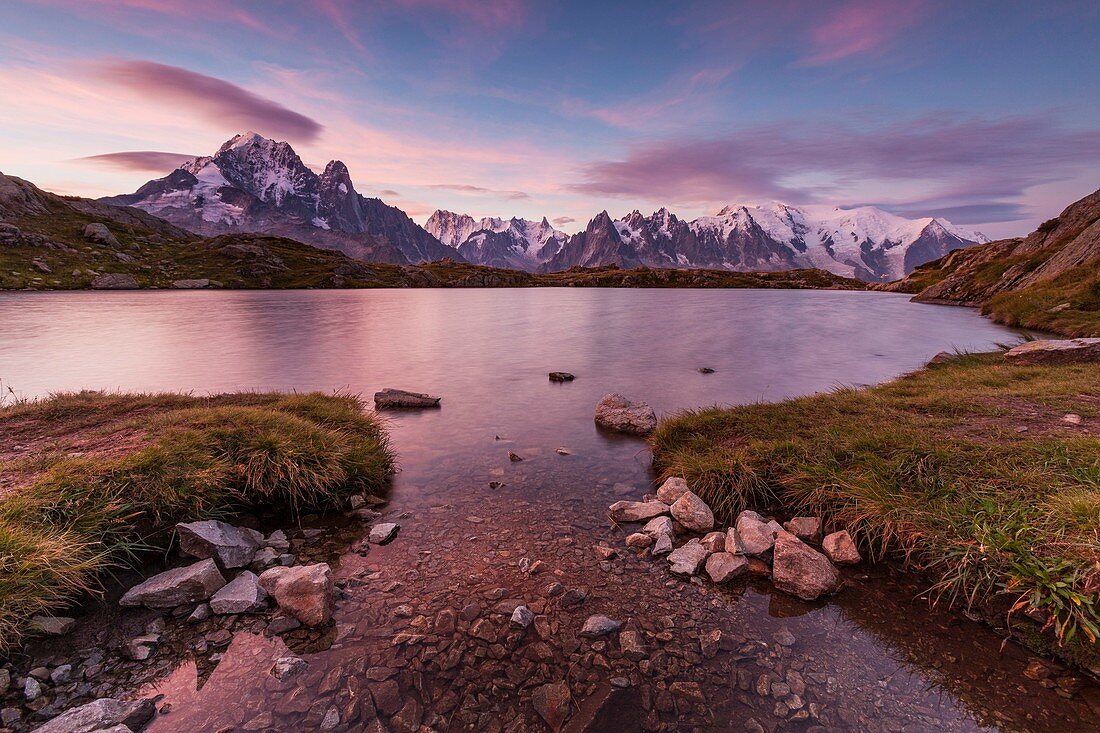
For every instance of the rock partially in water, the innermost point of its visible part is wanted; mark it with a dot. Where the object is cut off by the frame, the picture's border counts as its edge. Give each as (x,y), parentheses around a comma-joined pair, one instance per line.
(399,399)
(693,513)
(229,546)
(243,594)
(752,534)
(1056,351)
(304,591)
(941,358)
(686,559)
(114,281)
(637,511)
(616,412)
(599,625)
(802,571)
(840,548)
(381,534)
(176,587)
(672,489)
(551,702)
(102,715)
(723,567)
(706,370)
(561,377)
(807,529)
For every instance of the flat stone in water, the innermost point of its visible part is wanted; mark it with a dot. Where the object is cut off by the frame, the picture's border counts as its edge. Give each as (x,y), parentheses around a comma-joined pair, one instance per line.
(399,399)
(381,534)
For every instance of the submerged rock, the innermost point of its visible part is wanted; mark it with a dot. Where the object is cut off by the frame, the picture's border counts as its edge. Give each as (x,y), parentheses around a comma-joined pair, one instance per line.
(305,591)
(1056,351)
(616,412)
(840,548)
(400,399)
(693,513)
(102,715)
(561,377)
(176,587)
(802,571)
(229,546)
(381,534)
(637,511)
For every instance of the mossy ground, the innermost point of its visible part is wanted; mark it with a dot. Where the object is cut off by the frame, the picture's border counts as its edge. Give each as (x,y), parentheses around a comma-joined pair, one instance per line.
(92,480)
(965,470)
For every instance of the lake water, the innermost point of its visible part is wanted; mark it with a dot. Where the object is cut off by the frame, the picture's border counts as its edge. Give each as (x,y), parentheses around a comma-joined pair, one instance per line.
(874,658)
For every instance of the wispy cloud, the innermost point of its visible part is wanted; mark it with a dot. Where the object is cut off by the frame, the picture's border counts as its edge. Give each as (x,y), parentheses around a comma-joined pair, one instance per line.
(861,27)
(140,160)
(479,190)
(562,221)
(214,99)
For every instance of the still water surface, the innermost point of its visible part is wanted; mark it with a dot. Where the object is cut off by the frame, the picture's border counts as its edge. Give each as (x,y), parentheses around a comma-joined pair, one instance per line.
(884,661)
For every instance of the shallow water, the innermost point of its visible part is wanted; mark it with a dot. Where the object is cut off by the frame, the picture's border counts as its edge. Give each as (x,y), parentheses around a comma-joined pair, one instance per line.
(873,658)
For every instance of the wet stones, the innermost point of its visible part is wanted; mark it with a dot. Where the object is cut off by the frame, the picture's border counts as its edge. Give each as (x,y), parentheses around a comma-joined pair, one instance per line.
(561,377)
(243,594)
(228,546)
(693,513)
(305,592)
(615,412)
(637,511)
(552,702)
(176,587)
(723,567)
(599,625)
(381,534)
(840,548)
(686,559)
(399,399)
(802,571)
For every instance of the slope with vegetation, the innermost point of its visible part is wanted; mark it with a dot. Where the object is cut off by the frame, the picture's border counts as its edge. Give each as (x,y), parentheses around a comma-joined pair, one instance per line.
(91,481)
(1049,280)
(967,470)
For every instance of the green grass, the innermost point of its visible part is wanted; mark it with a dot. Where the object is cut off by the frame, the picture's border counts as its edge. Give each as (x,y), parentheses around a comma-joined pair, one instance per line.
(1068,304)
(929,468)
(156,460)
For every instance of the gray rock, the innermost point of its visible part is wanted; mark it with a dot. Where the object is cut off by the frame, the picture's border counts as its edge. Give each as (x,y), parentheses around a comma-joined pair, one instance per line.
(725,566)
(114,281)
(399,399)
(616,412)
(32,689)
(941,358)
(1056,351)
(693,513)
(194,284)
(632,645)
(51,625)
(5,680)
(243,594)
(201,613)
(522,617)
(266,557)
(190,584)
(61,674)
(277,541)
(99,234)
(802,571)
(599,625)
(552,702)
(672,489)
(10,716)
(637,511)
(142,647)
(229,546)
(686,559)
(659,526)
(287,667)
(381,534)
(101,715)
(840,548)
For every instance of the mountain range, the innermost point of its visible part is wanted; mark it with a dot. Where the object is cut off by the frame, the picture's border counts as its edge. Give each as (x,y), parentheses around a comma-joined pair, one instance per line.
(253,184)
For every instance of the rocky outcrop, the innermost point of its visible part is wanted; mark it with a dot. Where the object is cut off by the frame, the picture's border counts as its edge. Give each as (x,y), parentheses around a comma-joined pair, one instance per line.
(176,587)
(399,399)
(616,412)
(1064,351)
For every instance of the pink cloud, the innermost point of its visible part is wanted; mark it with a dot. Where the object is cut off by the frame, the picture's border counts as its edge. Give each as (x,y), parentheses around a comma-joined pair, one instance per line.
(216,100)
(861,27)
(140,160)
(486,15)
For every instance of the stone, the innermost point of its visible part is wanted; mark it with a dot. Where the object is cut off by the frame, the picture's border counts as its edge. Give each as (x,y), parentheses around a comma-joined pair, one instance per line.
(61,674)
(637,511)
(399,399)
(265,558)
(201,613)
(114,281)
(840,548)
(686,559)
(599,625)
(142,647)
(243,594)
(751,535)
(229,546)
(662,546)
(5,680)
(98,233)
(1071,418)
(725,566)
(639,540)
(191,284)
(561,377)
(522,617)
(176,587)
(807,529)
(616,412)
(605,552)
(672,489)
(10,716)
(381,534)
(304,591)
(632,645)
(709,643)
(277,541)
(552,703)
(705,370)
(659,526)
(1056,351)
(286,667)
(941,358)
(802,571)
(32,689)
(101,715)
(514,457)
(715,541)
(693,513)
(51,625)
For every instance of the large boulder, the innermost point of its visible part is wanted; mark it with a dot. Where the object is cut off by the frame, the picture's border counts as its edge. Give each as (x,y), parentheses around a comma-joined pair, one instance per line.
(191,284)
(637,511)
(1056,351)
(103,714)
(616,412)
(229,546)
(801,570)
(399,399)
(672,489)
(841,548)
(176,587)
(686,559)
(115,281)
(243,594)
(693,513)
(303,591)
(98,233)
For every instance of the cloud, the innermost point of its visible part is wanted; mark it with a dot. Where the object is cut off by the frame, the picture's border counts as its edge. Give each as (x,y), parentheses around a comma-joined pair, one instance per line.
(140,160)
(995,211)
(562,221)
(479,190)
(389,192)
(942,158)
(214,99)
(861,27)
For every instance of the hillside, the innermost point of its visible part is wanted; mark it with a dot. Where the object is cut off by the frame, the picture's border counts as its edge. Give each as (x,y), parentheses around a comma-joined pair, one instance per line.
(1049,280)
